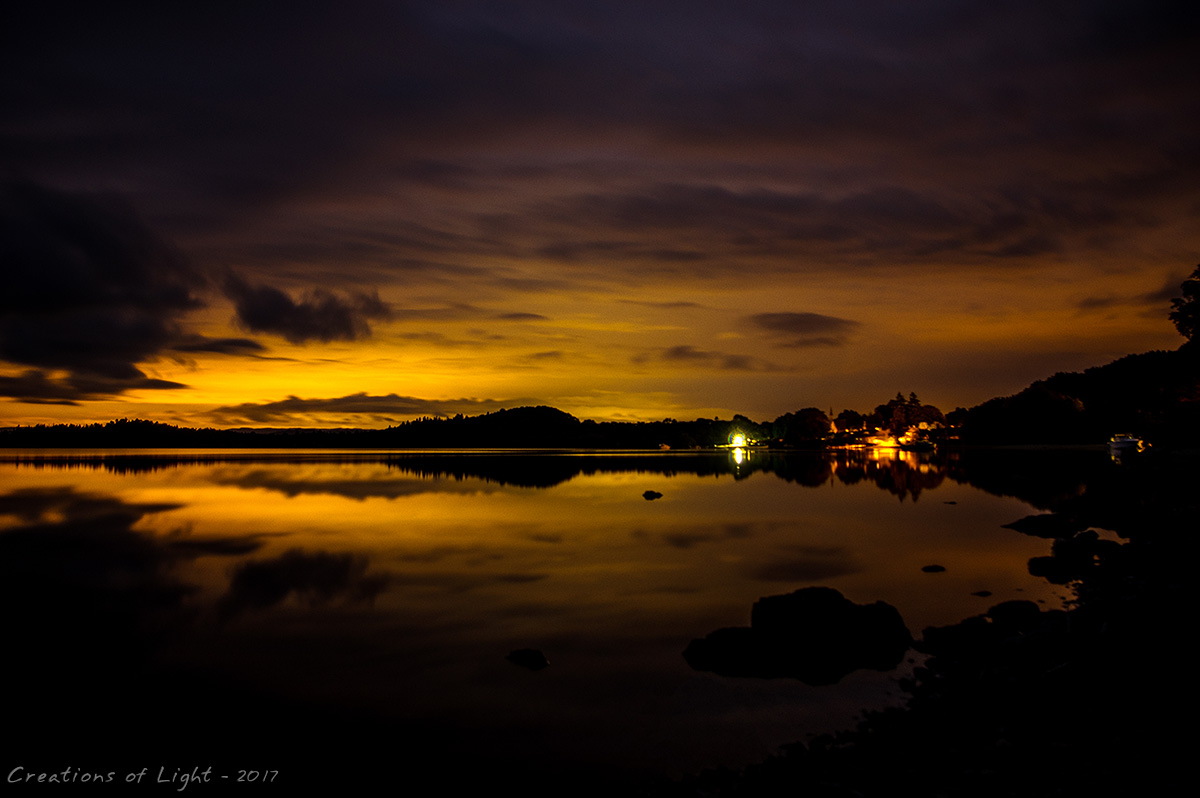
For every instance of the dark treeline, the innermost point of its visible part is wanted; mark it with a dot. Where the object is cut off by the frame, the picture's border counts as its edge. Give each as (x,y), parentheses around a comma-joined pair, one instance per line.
(518,428)
(1154,395)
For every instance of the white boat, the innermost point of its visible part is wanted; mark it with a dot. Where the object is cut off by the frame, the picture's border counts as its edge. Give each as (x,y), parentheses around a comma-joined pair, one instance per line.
(1119,445)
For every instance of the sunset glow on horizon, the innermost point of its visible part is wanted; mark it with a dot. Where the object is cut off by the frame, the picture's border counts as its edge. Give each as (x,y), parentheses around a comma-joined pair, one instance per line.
(330,216)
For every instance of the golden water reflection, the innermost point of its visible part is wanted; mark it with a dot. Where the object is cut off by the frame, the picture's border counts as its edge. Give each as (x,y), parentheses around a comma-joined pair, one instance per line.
(398,584)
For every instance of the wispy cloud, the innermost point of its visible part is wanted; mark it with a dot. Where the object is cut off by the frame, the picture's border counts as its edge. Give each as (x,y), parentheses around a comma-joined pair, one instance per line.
(220,346)
(685,354)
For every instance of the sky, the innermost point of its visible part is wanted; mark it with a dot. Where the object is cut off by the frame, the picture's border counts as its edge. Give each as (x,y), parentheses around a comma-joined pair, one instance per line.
(356,213)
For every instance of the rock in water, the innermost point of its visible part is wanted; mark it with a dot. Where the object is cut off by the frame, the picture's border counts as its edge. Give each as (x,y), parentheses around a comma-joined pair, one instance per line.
(815,635)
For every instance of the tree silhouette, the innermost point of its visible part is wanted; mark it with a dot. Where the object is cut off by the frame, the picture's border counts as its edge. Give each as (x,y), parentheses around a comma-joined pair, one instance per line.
(1186,311)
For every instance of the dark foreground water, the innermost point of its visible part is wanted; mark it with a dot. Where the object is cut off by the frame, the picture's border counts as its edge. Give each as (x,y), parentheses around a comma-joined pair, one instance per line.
(345,618)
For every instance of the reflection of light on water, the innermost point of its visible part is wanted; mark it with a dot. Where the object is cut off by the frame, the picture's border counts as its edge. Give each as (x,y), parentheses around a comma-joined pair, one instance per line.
(739,456)
(892,455)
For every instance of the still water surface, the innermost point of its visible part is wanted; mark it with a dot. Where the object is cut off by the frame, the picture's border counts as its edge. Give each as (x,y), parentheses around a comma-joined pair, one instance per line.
(392,586)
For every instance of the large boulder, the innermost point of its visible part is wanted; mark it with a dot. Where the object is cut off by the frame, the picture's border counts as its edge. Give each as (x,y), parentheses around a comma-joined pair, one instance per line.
(815,635)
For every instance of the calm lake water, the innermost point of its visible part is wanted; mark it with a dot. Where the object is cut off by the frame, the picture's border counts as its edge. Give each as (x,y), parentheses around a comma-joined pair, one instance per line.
(199,596)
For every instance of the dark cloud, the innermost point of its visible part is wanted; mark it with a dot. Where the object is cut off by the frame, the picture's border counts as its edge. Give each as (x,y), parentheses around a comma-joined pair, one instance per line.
(1098,303)
(584,250)
(805,329)
(662,305)
(686,353)
(320,316)
(446,312)
(390,405)
(220,346)
(35,387)
(1171,289)
(757,230)
(89,291)
(522,317)
(689,354)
